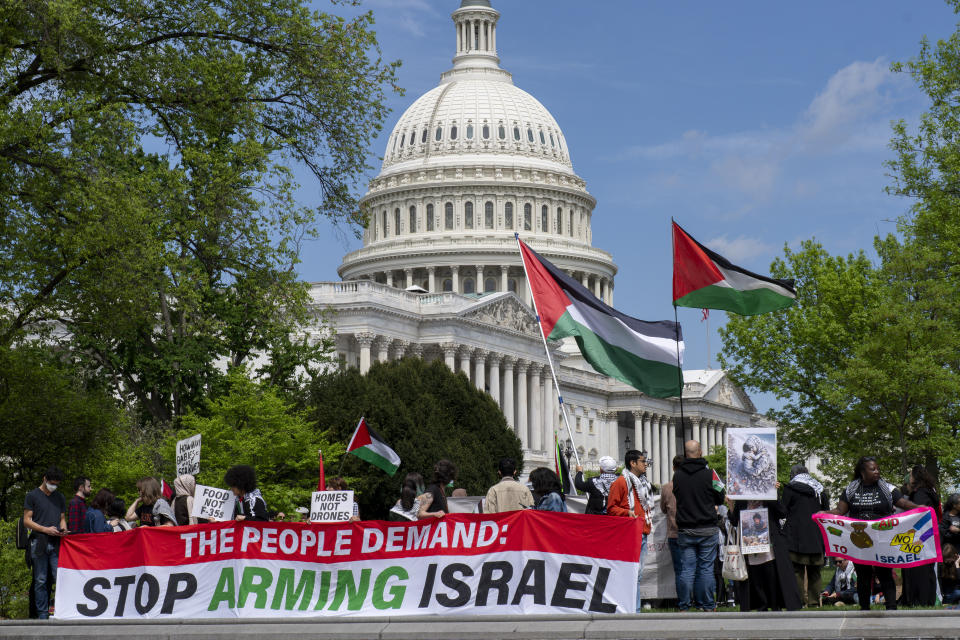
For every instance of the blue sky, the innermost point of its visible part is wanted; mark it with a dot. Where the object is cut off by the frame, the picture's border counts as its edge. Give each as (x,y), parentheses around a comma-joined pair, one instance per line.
(754,124)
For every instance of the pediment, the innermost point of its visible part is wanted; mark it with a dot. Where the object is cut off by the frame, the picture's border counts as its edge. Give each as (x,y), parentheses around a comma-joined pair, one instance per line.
(506,312)
(725,392)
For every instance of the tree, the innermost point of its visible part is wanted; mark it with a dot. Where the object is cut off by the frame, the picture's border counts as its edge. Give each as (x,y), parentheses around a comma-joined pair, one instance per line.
(147,190)
(425,412)
(251,423)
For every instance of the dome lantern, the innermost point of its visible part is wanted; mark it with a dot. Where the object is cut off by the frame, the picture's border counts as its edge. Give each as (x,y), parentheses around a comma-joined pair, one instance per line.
(476,31)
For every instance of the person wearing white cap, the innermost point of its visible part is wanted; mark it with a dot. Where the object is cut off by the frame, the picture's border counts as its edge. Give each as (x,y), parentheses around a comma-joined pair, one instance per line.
(304,513)
(598,487)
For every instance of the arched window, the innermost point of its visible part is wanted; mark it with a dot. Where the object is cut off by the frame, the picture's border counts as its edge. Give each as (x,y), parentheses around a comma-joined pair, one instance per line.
(468,215)
(469,132)
(486,132)
(373,227)
(508,215)
(543,219)
(447,284)
(542,140)
(429,217)
(529,134)
(527,216)
(559,227)
(403,138)
(468,285)
(386,231)
(490,284)
(512,285)
(413,137)
(502,132)
(396,141)
(516,133)
(423,136)
(488,215)
(439,134)
(396,221)
(413,220)
(448,216)
(453,132)
(551,141)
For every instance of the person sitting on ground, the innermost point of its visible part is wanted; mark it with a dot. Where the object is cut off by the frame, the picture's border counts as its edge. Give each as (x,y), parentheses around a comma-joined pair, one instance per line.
(507,494)
(95,520)
(547,491)
(242,480)
(444,473)
(116,516)
(414,502)
(150,508)
(598,487)
(843,586)
(339,483)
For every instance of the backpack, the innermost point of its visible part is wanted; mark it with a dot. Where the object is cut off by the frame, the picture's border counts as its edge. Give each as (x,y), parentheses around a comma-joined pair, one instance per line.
(23,534)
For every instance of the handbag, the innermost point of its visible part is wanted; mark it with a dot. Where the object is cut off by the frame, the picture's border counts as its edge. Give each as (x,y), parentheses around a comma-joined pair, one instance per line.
(734,566)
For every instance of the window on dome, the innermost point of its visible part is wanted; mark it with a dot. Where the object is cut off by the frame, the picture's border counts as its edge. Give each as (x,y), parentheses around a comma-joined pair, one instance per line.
(413,137)
(396,141)
(558,229)
(439,134)
(469,132)
(529,134)
(448,216)
(468,215)
(429,217)
(527,216)
(373,228)
(489,285)
(570,224)
(516,133)
(403,138)
(512,285)
(551,141)
(447,284)
(396,221)
(468,285)
(386,232)
(486,132)
(542,140)
(501,132)
(488,215)
(413,219)
(543,219)
(453,132)
(423,136)
(508,215)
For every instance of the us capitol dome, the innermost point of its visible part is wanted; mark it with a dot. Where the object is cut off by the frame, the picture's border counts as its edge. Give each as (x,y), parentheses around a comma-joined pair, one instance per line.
(469,164)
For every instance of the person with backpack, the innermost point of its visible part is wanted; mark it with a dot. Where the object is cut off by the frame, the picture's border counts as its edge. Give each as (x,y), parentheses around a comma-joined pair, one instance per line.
(597,488)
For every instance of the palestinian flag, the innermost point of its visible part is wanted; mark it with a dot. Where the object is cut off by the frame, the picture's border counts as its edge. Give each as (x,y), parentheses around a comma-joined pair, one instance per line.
(644,355)
(716,482)
(367,445)
(707,280)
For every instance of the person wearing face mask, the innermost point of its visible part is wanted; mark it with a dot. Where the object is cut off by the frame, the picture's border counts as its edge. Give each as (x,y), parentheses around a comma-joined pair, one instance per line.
(44,511)
(413,503)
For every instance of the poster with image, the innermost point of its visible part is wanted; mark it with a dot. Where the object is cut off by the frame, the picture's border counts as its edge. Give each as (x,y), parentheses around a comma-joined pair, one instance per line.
(752,463)
(754,531)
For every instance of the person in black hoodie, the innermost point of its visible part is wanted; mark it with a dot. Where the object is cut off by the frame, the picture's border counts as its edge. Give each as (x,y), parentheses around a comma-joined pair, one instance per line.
(697,501)
(802,497)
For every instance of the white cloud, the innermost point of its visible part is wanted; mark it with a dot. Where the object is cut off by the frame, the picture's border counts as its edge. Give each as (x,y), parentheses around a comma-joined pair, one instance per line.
(740,249)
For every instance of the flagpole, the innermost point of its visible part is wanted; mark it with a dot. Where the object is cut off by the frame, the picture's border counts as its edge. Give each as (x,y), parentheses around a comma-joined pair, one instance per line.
(553,372)
(676,324)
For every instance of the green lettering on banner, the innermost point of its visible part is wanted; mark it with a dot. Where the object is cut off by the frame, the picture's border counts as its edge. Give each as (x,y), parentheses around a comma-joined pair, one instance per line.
(357,593)
(324,590)
(224,591)
(397,591)
(248,586)
(303,591)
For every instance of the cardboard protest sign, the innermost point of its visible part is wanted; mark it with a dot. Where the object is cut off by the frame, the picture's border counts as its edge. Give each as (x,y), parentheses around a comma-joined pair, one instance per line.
(331,506)
(907,539)
(213,503)
(188,456)
(754,531)
(521,562)
(752,463)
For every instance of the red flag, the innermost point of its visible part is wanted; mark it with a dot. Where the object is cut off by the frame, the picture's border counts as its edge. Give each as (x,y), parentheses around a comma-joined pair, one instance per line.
(321,480)
(165,489)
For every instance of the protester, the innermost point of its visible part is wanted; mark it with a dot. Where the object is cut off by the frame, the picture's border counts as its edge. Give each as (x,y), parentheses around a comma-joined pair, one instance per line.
(804,496)
(870,497)
(668,505)
(950,575)
(630,497)
(414,502)
(771,584)
(150,509)
(547,491)
(304,514)
(920,583)
(507,494)
(242,481)
(697,500)
(77,507)
(444,473)
(950,522)
(95,520)
(115,516)
(842,588)
(597,488)
(44,514)
(339,483)
(185,486)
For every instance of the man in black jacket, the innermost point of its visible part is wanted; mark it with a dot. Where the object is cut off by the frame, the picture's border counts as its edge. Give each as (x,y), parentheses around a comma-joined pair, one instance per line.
(698,494)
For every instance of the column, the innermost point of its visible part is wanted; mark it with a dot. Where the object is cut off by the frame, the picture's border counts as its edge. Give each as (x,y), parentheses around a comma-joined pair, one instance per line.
(390,278)
(596,286)
(585,280)
(400,349)
(603,289)
(449,355)
(508,390)
(521,429)
(536,395)
(671,448)
(432,279)
(548,405)
(494,360)
(610,293)
(662,465)
(639,437)
(408,274)
(415,350)
(647,436)
(694,428)
(365,340)
(383,353)
(455,275)
(479,287)
(504,281)
(465,360)
(703,436)
(654,448)
(480,369)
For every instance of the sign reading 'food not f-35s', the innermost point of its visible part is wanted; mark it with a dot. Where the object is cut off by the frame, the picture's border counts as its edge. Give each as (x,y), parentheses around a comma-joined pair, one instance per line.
(520,562)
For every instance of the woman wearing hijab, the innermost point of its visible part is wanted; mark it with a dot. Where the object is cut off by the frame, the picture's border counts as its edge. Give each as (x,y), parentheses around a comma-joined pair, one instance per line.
(598,487)
(185,486)
(870,497)
(920,583)
(804,496)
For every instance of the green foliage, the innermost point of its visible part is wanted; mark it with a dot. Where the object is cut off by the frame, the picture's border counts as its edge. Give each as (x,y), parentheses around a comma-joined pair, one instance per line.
(425,413)
(717,460)
(251,423)
(14,575)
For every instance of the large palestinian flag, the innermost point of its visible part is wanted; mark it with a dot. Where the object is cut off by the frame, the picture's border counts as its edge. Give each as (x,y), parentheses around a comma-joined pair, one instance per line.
(367,445)
(642,354)
(706,280)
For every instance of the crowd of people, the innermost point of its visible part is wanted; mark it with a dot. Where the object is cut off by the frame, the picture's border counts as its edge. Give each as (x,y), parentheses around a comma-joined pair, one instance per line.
(698,518)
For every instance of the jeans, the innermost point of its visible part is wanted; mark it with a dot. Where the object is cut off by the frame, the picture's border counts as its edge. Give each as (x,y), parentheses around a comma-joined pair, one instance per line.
(643,559)
(44,556)
(697,555)
(675,556)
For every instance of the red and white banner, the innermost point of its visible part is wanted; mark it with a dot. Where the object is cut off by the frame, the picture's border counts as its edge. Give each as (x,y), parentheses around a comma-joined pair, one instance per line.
(907,539)
(519,562)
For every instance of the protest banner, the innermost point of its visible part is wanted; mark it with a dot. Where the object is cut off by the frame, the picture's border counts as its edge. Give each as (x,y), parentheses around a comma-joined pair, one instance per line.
(754,531)
(331,506)
(213,503)
(752,463)
(188,456)
(522,562)
(907,539)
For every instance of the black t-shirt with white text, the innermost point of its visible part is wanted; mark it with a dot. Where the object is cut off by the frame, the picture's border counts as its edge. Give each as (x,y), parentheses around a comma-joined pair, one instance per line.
(869,503)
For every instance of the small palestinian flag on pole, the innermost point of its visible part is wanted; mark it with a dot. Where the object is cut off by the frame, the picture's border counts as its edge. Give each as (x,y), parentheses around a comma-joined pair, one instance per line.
(707,280)
(368,446)
(717,482)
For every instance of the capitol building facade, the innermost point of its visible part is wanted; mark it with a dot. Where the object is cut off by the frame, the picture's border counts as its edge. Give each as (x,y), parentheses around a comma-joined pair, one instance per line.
(469,164)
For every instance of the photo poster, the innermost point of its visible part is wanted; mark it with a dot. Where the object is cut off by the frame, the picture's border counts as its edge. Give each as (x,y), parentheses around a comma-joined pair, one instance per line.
(213,503)
(331,506)
(752,463)
(754,531)
(188,456)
